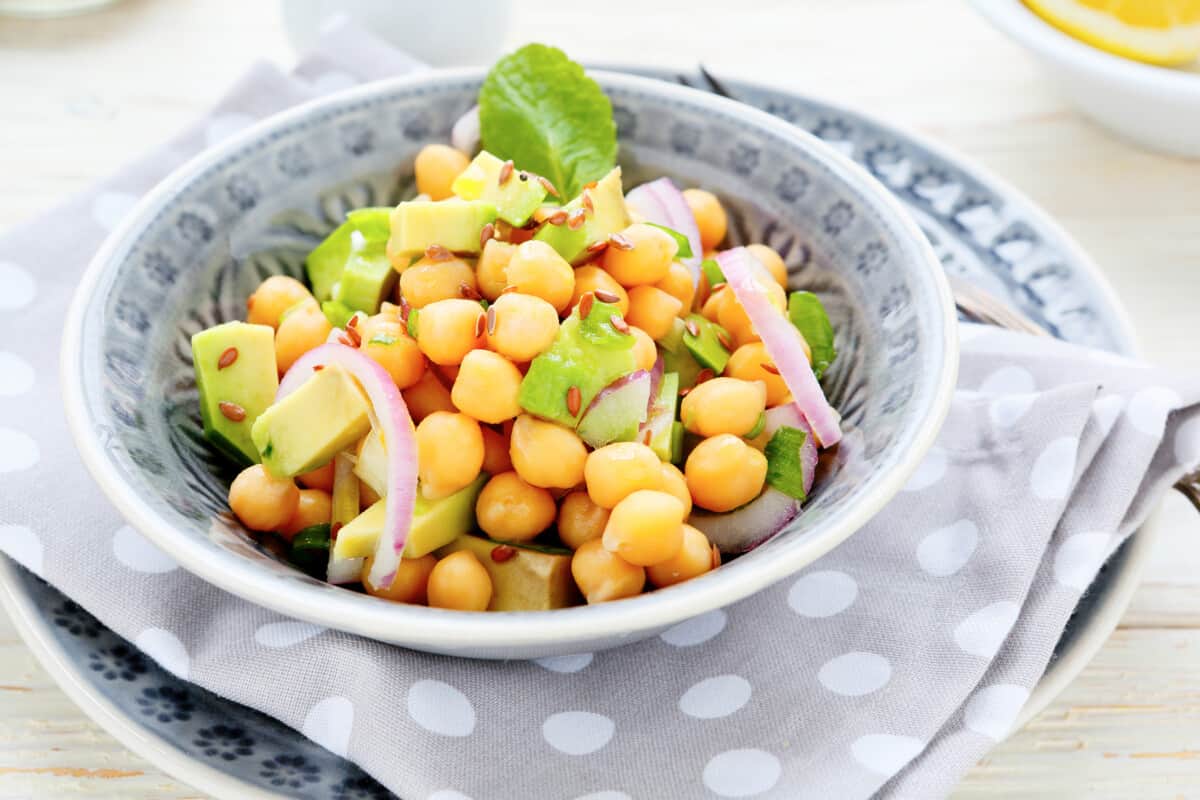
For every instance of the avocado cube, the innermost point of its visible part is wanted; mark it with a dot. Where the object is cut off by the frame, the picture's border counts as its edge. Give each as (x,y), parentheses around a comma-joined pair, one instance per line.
(534,579)
(608,215)
(306,429)
(367,280)
(248,382)
(364,227)
(677,357)
(453,224)
(706,345)
(515,200)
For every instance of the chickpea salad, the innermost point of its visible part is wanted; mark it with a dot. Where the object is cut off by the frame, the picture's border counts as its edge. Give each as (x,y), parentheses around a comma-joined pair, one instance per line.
(525,388)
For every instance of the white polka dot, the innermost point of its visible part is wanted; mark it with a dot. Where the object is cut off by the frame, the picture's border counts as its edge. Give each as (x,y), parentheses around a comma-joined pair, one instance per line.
(982,633)
(992,711)
(572,663)
(16,376)
(1007,411)
(18,451)
(742,773)
(440,708)
(931,470)
(822,594)
(1106,410)
(715,697)
(286,634)
(1148,409)
(448,794)
(1187,443)
(16,287)
(139,553)
(947,550)
(885,753)
(1009,380)
(1079,558)
(165,648)
(1054,470)
(110,208)
(578,733)
(696,630)
(23,545)
(855,673)
(607,794)
(333,81)
(329,724)
(223,126)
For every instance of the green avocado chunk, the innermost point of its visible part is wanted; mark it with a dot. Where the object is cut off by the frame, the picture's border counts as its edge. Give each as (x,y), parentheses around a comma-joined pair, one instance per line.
(326,262)
(453,224)
(706,346)
(677,357)
(609,215)
(306,429)
(515,200)
(337,313)
(529,579)
(587,354)
(367,280)
(249,381)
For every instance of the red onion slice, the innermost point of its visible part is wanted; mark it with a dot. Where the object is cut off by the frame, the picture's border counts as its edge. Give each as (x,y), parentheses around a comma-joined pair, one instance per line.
(745,528)
(389,416)
(662,203)
(783,344)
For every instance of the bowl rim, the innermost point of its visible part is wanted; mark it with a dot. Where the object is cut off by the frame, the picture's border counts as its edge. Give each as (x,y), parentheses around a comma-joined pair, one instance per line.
(1024,26)
(456,632)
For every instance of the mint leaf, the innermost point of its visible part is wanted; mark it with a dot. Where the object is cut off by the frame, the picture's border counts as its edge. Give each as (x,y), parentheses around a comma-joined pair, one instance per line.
(685,247)
(784,470)
(712,271)
(808,315)
(537,108)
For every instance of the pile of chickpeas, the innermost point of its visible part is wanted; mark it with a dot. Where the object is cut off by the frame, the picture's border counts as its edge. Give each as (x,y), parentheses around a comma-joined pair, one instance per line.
(620,508)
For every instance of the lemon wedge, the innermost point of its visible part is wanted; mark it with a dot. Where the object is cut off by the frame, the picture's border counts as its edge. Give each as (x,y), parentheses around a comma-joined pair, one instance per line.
(1162,32)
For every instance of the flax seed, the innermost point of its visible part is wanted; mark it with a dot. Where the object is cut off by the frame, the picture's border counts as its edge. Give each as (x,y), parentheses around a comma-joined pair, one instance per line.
(619,242)
(506,171)
(585,304)
(724,339)
(488,232)
(435,252)
(548,186)
(557,218)
(503,552)
(576,219)
(691,327)
(574,399)
(597,247)
(703,375)
(605,296)
(227,358)
(232,411)
(353,335)
(771,368)
(619,323)
(468,291)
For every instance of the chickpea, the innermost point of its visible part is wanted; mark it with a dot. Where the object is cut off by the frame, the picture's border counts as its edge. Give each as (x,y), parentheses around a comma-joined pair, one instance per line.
(522,326)
(487,387)
(449,453)
(385,342)
(436,167)
(746,364)
(653,310)
(645,528)
(300,330)
(274,296)
(546,454)
(536,268)
(616,470)
(724,472)
(490,271)
(673,483)
(723,405)
(428,281)
(644,351)
(261,501)
(495,451)
(710,216)
(590,279)
(695,557)
(580,520)
(647,262)
(426,396)
(604,576)
(460,582)
(679,284)
(772,261)
(410,584)
(510,510)
(446,330)
(320,478)
(711,309)
(314,507)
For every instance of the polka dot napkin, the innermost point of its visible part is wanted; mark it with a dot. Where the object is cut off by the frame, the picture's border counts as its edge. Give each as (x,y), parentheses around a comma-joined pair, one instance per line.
(887,668)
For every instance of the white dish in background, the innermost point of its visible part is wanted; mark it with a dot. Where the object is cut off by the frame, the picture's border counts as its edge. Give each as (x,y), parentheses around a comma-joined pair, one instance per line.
(1154,106)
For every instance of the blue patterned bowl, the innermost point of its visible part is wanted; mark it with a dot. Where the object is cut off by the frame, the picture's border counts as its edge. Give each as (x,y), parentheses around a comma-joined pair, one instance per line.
(255,205)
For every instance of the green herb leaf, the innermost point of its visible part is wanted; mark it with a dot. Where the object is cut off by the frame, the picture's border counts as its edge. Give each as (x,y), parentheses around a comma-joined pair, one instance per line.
(712,271)
(538,108)
(784,470)
(809,317)
(685,247)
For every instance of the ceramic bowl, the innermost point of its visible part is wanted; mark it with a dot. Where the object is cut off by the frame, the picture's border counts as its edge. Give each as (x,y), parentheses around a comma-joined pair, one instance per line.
(190,254)
(1154,106)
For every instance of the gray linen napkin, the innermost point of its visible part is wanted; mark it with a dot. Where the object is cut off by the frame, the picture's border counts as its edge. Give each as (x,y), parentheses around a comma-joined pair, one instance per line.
(890,666)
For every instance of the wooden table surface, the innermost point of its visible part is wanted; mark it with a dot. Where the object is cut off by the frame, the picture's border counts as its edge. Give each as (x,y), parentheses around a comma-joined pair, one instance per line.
(80,96)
